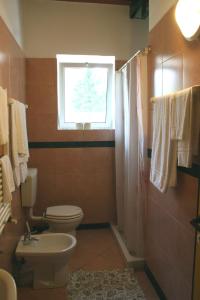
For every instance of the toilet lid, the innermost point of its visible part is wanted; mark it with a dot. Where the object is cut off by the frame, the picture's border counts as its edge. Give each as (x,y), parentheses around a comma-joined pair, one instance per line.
(63,211)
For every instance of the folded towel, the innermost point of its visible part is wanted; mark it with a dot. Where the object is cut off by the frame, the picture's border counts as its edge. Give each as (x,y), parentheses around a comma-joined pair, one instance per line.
(19,141)
(163,160)
(4,131)
(181,125)
(8,181)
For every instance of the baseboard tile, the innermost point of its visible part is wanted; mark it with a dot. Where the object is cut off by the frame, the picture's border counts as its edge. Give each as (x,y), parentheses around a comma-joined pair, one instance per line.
(93,226)
(154,283)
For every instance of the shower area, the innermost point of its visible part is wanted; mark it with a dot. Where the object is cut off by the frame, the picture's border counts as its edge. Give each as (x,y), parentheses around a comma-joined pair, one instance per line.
(131,117)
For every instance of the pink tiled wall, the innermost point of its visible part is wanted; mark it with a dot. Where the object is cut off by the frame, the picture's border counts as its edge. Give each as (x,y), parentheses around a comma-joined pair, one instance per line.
(79,176)
(170,239)
(12,77)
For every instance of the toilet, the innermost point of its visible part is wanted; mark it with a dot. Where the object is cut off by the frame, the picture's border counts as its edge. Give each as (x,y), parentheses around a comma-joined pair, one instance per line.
(48,256)
(61,218)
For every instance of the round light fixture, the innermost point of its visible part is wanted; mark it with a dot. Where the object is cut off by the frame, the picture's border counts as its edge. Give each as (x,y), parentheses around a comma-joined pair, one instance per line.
(188,18)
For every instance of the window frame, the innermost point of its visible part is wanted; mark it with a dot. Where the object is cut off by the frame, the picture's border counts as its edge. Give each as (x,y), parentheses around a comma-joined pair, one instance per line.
(61,123)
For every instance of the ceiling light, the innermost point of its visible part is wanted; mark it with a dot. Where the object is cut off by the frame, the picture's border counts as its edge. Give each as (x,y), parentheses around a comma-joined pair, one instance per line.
(188,18)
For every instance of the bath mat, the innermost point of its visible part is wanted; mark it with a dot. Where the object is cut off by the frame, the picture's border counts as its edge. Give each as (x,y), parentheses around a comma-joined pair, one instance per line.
(104,285)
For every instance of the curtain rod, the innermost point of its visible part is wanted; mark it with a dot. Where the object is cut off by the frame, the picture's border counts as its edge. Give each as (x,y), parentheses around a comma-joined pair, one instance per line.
(10,102)
(195,90)
(144,51)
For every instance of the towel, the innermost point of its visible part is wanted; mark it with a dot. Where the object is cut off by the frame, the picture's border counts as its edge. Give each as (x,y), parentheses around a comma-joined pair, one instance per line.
(163,172)
(19,141)
(185,124)
(8,181)
(20,118)
(4,131)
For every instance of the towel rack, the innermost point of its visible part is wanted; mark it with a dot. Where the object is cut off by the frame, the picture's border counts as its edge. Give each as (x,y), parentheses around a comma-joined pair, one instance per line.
(5,208)
(195,90)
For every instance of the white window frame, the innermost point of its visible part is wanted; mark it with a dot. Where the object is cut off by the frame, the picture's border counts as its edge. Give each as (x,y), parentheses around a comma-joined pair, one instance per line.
(64,61)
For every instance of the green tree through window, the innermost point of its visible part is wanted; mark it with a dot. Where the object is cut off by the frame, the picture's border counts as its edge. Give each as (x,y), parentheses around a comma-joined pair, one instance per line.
(89,93)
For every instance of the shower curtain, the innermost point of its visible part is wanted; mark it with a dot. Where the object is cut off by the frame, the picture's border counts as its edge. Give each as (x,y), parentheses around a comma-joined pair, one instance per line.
(131,152)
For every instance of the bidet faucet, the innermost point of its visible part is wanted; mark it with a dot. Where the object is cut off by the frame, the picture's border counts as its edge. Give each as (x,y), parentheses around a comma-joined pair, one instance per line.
(27,236)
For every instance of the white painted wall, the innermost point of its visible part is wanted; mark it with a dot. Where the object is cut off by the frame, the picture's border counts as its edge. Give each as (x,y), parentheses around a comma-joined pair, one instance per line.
(157,9)
(53,27)
(10,11)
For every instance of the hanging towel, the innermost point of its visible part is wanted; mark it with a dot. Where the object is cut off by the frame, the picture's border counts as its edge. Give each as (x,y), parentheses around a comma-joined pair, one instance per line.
(8,181)
(19,141)
(185,112)
(163,160)
(20,118)
(4,131)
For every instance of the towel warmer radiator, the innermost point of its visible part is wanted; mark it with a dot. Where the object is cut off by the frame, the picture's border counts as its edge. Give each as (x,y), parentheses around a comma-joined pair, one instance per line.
(5,208)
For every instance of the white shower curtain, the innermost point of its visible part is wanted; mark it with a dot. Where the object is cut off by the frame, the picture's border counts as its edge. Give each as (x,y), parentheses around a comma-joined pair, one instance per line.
(131,151)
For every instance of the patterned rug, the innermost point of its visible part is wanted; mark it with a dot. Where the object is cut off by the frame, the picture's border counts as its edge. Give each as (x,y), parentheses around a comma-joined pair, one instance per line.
(104,285)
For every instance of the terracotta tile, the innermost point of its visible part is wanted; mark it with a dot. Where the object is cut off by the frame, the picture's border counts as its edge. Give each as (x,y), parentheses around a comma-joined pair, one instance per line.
(173,40)
(191,69)
(41,71)
(99,135)
(93,254)
(146,286)
(41,98)
(39,129)
(69,160)
(169,235)
(68,188)
(44,159)
(173,74)
(180,202)
(156,42)
(170,279)
(174,239)
(51,294)
(12,77)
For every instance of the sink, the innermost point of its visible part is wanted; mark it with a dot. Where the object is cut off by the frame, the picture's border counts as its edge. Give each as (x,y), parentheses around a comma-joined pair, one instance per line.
(8,290)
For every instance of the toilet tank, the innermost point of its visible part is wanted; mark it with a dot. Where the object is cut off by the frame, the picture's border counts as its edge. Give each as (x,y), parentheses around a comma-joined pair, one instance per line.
(29,189)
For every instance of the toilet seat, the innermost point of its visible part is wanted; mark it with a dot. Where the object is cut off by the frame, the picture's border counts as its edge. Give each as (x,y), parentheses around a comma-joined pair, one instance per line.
(63,213)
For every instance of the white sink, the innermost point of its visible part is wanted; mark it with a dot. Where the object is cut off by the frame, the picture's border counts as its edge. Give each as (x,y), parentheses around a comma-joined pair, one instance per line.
(8,290)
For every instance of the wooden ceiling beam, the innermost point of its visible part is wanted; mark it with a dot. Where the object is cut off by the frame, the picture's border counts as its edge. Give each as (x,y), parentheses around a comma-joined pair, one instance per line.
(114,2)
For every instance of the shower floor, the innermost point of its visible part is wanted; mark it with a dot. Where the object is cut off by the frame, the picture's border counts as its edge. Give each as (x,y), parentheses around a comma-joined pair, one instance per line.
(96,250)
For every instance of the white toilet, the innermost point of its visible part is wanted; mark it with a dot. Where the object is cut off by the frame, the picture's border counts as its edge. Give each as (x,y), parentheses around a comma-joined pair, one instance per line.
(63,218)
(48,256)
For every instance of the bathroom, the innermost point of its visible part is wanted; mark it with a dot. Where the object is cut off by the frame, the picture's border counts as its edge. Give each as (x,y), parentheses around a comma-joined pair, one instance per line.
(77,167)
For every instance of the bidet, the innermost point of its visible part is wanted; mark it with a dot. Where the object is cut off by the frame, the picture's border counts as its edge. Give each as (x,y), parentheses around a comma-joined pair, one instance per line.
(48,256)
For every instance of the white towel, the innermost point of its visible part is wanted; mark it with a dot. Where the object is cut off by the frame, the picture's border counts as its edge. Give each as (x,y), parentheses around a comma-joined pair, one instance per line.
(20,152)
(20,118)
(4,131)
(163,160)
(185,113)
(8,181)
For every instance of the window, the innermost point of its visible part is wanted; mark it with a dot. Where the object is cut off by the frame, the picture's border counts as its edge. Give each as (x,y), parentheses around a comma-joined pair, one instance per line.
(85,91)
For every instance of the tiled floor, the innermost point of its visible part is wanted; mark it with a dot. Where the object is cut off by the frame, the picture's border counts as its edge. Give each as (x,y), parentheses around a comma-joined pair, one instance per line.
(96,250)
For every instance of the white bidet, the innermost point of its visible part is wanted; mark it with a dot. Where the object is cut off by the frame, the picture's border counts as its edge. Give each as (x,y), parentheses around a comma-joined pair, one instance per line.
(48,254)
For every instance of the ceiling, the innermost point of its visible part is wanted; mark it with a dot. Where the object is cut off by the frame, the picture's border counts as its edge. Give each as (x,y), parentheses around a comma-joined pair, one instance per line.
(139,9)
(117,2)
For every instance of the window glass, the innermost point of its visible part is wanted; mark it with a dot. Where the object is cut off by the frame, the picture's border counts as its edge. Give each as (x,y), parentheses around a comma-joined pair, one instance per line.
(85,94)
